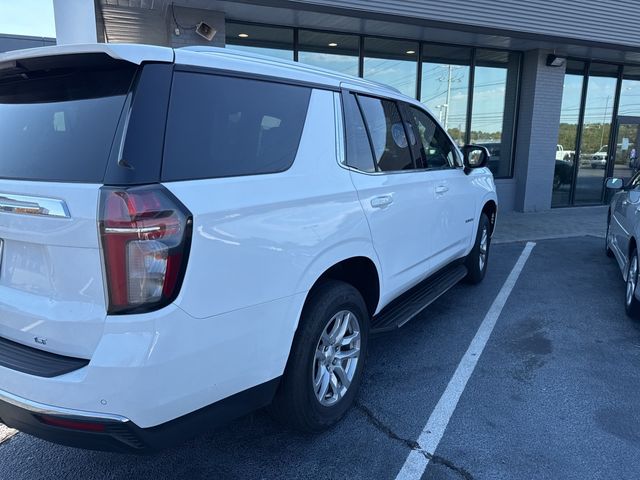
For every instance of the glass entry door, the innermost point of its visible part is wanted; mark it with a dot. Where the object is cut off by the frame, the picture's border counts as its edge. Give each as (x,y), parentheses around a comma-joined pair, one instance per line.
(625,155)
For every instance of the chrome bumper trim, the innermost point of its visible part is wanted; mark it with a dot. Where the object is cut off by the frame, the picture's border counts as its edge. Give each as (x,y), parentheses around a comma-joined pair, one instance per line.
(44,409)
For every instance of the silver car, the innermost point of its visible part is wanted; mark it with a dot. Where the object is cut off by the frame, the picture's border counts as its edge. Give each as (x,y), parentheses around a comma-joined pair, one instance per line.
(623,233)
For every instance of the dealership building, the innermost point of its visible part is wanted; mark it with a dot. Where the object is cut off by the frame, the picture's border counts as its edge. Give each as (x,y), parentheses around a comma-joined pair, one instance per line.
(552,89)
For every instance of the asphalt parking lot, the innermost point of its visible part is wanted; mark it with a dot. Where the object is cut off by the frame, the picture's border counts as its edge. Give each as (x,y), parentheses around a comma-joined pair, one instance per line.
(554,393)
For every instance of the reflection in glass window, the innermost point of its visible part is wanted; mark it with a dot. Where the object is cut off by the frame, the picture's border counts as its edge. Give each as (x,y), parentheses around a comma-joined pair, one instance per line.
(630,92)
(567,135)
(494,102)
(392,62)
(433,150)
(387,133)
(359,155)
(271,41)
(223,126)
(445,86)
(594,155)
(329,50)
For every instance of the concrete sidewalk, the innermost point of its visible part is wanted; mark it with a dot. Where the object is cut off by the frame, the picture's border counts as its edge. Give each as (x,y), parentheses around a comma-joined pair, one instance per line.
(556,223)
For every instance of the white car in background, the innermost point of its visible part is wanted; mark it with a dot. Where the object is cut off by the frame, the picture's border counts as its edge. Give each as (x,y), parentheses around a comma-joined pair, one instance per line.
(188,235)
(599,159)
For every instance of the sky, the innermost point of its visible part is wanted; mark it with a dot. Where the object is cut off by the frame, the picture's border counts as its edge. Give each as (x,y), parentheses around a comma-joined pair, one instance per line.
(27,17)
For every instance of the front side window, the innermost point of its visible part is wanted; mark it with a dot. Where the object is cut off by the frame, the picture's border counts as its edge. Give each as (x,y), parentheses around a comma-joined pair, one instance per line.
(435,150)
(222,126)
(387,133)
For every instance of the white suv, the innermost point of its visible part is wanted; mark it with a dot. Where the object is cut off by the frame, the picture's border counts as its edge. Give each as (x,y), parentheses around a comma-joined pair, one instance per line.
(191,234)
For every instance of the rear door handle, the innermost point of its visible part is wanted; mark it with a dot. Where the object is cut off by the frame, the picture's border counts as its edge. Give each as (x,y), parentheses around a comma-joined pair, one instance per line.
(381,201)
(441,189)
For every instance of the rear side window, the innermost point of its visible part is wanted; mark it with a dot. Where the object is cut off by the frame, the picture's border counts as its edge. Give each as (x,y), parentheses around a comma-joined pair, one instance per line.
(225,126)
(359,154)
(387,132)
(58,123)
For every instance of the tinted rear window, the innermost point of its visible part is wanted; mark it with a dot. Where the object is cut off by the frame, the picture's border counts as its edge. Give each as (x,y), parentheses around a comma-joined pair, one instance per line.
(224,126)
(59,125)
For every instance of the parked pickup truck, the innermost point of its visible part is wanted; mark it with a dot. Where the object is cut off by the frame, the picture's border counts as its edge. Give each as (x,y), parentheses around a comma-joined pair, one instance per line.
(562,154)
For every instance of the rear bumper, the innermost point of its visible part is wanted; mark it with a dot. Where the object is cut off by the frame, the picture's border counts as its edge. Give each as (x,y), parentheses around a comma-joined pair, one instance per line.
(149,370)
(114,433)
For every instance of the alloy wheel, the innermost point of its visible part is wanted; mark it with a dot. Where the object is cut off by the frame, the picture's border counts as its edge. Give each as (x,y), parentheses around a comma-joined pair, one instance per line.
(632,278)
(484,248)
(336,358)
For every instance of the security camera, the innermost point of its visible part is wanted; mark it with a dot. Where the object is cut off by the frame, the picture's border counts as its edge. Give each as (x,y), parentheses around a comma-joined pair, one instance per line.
(206,31)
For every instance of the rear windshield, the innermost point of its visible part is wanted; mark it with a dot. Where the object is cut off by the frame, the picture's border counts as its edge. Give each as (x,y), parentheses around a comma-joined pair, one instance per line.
(225,126)
(59,124)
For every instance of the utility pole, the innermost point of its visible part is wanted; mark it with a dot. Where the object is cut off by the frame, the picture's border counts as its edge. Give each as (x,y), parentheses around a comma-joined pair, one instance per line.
(449,81)
(604,119)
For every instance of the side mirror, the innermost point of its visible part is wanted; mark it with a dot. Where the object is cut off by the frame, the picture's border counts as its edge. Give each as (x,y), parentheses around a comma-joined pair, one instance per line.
(475,156)
(615,183)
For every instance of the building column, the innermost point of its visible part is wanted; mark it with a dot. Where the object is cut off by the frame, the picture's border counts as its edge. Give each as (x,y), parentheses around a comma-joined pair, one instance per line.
(537,132)
(75,21)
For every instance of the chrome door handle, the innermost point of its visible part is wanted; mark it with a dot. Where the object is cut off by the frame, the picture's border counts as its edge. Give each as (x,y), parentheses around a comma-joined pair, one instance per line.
(441,189)
(381,201)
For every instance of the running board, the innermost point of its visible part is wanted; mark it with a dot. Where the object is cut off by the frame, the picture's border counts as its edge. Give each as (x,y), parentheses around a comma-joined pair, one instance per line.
(412,302)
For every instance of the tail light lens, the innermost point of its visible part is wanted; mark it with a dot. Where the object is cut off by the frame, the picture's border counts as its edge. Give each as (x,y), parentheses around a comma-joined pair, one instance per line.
(146,235)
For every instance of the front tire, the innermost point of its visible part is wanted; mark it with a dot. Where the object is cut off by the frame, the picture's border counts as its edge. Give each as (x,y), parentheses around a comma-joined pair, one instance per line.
(327,358)
(631,304)
(478,258)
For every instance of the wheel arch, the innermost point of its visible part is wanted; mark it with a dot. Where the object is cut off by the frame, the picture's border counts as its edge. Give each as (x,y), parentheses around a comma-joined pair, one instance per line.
(359,271)
(490,208)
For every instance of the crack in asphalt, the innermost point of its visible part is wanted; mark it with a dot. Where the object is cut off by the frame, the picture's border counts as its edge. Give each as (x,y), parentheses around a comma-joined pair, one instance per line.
(412,444)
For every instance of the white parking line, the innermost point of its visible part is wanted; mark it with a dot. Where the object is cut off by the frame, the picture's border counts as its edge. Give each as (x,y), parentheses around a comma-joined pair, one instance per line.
(6,433)
(418,460)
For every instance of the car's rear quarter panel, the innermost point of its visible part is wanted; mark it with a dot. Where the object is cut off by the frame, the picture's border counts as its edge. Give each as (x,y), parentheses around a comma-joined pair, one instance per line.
(264,240)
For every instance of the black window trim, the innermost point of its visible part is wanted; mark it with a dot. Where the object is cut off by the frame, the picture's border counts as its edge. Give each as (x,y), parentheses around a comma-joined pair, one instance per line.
(242,75)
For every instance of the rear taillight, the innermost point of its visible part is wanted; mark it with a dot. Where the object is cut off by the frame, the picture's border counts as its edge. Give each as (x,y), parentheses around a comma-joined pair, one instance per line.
(146,235)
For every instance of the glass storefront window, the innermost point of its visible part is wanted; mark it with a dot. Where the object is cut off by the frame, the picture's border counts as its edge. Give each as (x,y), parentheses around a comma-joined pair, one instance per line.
(445,86)
(328,50)
(594,148)
(494,106)
(271,41)
(447,73)
(567,134)
(628,135)
(392,62)
(630,92)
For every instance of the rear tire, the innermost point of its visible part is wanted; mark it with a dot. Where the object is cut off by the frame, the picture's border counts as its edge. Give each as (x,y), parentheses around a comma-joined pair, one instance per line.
(327,358)
(631,304)
(477,260)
